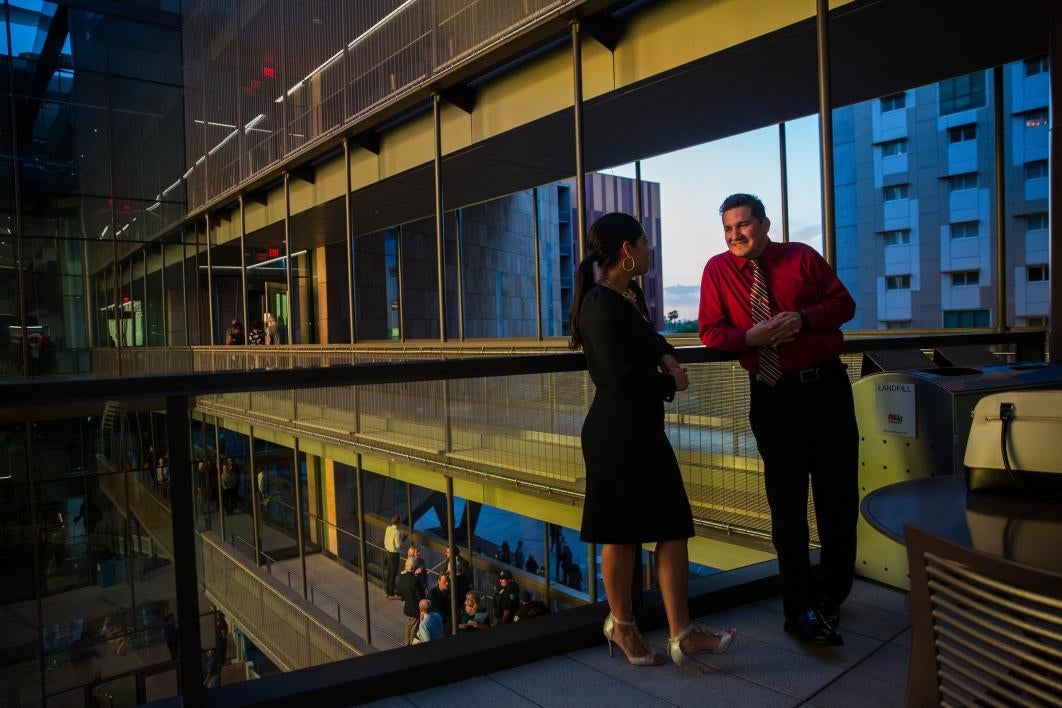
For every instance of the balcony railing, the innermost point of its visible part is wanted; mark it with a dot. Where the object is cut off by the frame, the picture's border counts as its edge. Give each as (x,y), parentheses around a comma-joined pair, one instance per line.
(482,416)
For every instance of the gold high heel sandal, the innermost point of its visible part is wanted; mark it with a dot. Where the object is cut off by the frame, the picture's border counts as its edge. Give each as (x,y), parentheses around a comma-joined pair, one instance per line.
(649,659)
(674,644)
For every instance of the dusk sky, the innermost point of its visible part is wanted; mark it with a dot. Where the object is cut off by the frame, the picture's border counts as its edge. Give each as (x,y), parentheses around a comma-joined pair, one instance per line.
(694,182)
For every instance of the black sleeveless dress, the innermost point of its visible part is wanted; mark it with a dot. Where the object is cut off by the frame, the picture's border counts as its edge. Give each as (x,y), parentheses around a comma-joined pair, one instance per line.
(634,490)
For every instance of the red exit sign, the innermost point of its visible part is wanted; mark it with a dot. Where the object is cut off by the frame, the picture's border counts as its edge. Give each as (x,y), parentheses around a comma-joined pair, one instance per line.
(267,254)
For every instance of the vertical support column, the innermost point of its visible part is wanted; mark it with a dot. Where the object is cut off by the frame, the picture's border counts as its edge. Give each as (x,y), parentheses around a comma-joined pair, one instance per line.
(256,498)
(459,219)
(210,283)
(580,176)
(35,521)
(440,245)
(1054,335)
(289,324)
(184,563)
(348,226)
(184,290)
(162,298)
(451,566)
(1000,226)
(88,303)
(118,329)
(243,267)
(16,184)
(301,541)
(591,571)
(822,35)
(217,477)
(783,169)
(198,288)
(538,264)
(145,317)
(546,558)
(401,286)
(363,546)
(638,208)
(409,511)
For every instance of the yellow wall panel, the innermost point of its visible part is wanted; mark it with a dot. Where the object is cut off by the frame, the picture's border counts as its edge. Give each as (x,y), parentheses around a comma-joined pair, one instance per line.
(225,227)
(670,34)
(300,195)
(408,145)
(275,206)
(456,128)
(530,92)
(599,76)
(364,168)
(255,215)
(329,181)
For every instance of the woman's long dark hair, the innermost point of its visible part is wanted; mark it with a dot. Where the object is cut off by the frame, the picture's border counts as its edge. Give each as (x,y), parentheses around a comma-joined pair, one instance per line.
(604,242)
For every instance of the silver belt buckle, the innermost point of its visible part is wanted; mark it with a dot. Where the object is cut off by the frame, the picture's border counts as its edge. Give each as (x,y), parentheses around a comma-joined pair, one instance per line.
(809,375)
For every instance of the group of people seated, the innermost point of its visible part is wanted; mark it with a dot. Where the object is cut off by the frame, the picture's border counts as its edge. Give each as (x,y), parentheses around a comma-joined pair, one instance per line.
(427,612)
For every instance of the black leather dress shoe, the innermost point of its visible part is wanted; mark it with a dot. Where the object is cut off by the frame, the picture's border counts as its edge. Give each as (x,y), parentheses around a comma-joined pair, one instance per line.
(830,612)
(809,627)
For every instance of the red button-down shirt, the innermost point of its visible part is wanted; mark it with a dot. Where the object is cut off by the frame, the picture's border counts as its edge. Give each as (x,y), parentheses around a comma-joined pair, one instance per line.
(798,279)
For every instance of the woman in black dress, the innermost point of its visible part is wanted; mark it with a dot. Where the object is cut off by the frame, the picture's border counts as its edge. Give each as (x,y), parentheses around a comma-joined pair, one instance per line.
(634,490)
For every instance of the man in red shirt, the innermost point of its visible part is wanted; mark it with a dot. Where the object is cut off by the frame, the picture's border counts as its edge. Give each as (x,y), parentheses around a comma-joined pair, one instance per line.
(780,307)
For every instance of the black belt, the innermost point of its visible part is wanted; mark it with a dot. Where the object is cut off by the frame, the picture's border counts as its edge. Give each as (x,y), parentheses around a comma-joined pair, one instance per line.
(804,376)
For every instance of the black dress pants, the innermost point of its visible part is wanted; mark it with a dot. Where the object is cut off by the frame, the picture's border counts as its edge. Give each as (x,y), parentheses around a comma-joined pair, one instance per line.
(809,430)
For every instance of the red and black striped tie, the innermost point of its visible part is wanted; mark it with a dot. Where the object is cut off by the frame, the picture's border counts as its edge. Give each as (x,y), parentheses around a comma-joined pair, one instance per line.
(770,368)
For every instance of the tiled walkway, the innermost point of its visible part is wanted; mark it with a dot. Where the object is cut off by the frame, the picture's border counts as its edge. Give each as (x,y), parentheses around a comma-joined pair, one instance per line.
(764,667)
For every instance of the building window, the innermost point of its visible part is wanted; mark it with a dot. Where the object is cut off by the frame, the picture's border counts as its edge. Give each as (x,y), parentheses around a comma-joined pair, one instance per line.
(1035,66)
(896,191)
(1035,222)
(899,237)
(1035,170)
(1037,274)
(894,147)
(966,318)
(962,133)
(966,181)
(965,229)
(966,277)
(897,324)
(894,102)
(897,282)
(962,93)
(1036,119)
(1040,321)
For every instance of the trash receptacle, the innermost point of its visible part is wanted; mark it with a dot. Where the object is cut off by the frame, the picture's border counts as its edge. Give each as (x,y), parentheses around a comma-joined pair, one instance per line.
(914,423)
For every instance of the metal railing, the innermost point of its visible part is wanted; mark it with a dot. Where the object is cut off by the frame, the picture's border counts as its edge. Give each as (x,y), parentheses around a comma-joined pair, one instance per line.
(344,614)
(328,75)
(700,425)
(288,629)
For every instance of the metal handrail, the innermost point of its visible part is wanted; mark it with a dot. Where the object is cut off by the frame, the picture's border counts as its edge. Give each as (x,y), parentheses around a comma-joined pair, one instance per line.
(53,391)
(313,589)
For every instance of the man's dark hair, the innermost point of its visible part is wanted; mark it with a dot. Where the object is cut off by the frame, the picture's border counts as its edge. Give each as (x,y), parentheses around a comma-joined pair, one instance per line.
(739,200)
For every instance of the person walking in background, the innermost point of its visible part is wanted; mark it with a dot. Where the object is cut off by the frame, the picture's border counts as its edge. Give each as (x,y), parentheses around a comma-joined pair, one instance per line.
(780,307)
(392,547)
(634,490)
(518,555)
